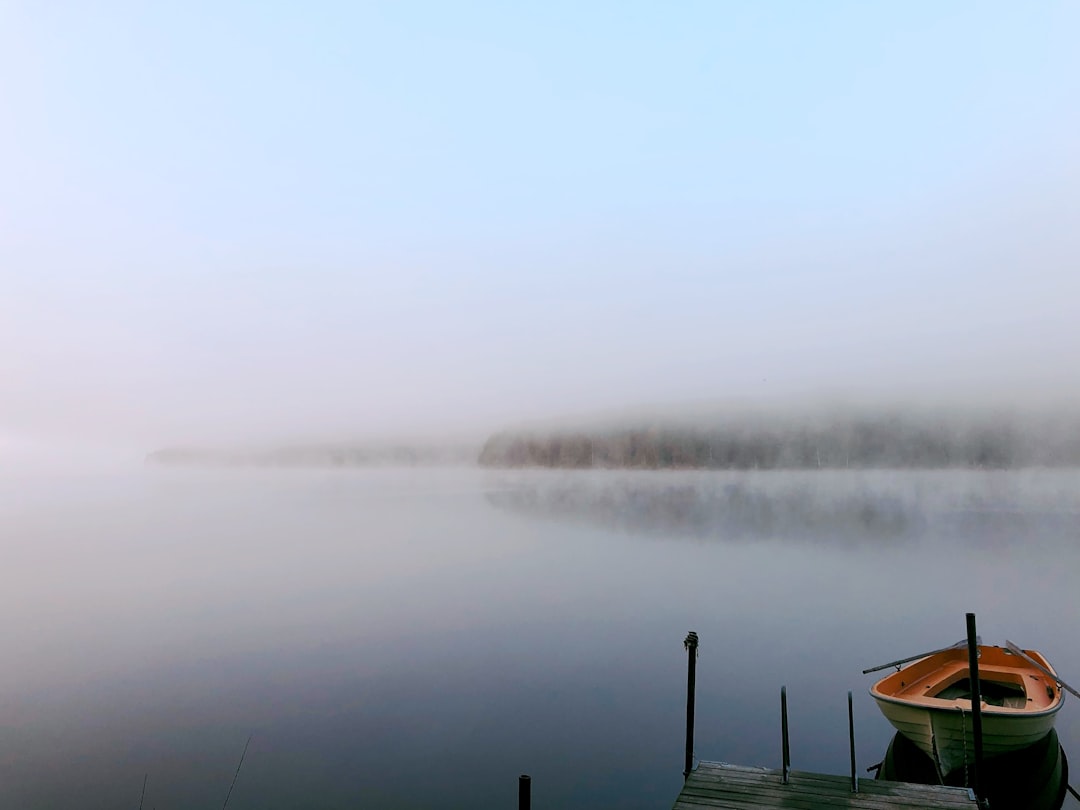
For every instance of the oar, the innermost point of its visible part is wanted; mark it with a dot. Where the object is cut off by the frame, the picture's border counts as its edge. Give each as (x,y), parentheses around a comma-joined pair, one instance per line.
(1017,651)
(957,646)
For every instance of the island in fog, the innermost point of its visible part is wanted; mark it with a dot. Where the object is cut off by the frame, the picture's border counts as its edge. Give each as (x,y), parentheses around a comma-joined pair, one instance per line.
(777,441)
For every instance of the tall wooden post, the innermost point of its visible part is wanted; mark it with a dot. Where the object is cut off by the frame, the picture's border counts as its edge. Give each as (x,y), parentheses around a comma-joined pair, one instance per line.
(851,741)
(785,750)
(976,706)
(691,645)
(524,792)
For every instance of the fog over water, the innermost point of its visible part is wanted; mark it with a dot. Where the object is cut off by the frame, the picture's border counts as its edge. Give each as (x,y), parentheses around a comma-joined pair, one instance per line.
(356,224)
(295,302)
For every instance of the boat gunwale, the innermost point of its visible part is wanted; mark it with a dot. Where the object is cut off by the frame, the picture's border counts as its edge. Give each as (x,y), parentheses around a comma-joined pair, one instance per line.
(985,708)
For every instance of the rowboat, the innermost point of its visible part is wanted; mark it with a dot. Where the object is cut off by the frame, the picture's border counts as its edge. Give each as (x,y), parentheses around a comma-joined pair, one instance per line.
(929,702)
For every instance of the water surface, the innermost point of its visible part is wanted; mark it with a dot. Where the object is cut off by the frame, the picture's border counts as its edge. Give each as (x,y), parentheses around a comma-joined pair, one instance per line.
(417,637)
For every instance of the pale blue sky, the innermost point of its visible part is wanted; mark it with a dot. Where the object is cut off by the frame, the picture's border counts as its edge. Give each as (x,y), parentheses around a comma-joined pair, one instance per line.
(240,220)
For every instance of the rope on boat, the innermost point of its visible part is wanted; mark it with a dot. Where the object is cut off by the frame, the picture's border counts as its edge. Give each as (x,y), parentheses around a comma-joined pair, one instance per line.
(691,640)
(963,736)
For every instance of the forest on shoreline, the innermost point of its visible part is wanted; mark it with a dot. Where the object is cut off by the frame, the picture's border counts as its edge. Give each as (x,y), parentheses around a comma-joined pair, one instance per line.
(738,442)
(858,442)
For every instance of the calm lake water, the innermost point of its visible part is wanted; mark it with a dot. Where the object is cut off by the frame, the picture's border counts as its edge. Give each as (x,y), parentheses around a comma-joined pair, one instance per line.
(417,638)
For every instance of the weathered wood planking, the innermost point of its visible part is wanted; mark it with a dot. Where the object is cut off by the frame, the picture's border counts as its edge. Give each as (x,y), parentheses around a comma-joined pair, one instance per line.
(736,787)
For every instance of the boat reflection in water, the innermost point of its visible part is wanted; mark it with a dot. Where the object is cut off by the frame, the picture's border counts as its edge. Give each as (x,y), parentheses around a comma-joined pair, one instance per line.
(1036,777)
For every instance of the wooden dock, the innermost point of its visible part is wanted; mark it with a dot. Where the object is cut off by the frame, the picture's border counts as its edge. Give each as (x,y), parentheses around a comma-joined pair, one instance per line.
(733,787)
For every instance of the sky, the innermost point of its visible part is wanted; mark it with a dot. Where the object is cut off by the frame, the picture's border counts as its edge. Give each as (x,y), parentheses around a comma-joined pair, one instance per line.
(233,221)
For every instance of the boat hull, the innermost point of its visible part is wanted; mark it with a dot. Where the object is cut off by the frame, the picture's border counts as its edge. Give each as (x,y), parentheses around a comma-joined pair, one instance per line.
(945,735)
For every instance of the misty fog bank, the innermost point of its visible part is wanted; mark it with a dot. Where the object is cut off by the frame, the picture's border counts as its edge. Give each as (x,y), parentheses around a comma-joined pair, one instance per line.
(775,441)
(25,455)
(318,455)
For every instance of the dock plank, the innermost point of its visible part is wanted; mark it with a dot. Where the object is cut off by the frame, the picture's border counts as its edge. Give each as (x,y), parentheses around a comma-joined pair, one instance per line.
(738,787)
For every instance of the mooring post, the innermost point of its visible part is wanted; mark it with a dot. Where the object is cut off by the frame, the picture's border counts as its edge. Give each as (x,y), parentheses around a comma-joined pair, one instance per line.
(851,740)
(976,707)
(691,644)
(524,792)
(786,752)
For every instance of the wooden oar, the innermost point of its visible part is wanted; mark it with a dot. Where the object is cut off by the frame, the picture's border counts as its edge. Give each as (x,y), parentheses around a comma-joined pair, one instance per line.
(957,646)
(1017,651)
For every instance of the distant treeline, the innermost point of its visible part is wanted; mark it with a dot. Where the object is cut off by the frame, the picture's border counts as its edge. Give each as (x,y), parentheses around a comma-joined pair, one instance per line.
(871,442)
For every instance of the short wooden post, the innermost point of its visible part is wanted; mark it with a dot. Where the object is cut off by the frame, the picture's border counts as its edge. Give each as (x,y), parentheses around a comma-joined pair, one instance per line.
(691,645)
(786,752)
(524,792)
(851,740)
(976,706)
